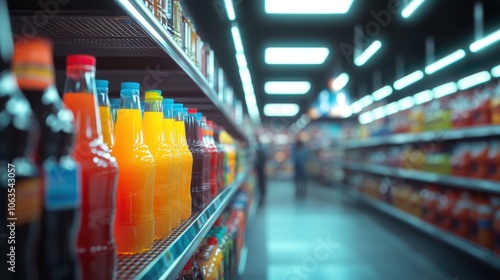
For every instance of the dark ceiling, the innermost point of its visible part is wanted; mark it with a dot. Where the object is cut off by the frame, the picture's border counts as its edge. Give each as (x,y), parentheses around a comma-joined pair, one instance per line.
(449,22)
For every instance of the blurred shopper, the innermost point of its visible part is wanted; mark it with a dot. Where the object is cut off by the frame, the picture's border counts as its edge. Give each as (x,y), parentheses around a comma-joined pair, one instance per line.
(260,166)
(300,155)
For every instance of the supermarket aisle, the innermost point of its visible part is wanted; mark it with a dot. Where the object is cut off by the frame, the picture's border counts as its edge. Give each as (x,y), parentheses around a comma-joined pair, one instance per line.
(329,236)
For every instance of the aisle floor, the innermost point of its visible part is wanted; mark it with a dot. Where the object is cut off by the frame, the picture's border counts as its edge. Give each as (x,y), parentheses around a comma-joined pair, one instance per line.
(328,235)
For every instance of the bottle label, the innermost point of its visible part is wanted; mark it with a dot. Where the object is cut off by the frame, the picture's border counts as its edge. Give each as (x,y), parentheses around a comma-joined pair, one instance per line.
(62,186)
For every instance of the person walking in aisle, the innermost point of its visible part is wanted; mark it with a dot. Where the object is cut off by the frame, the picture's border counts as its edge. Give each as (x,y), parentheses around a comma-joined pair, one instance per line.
(260,167)
(300,159)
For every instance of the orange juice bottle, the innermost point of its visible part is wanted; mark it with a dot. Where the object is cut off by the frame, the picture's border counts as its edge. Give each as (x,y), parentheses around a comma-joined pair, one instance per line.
(107,125)
(154,138)
(169,133)
(134,221)
(187,161)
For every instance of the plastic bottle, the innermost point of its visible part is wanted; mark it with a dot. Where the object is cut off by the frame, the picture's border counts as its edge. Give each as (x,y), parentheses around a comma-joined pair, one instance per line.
(479,160)
(460,215)
(206,160)
(193,140)
(495,104)
(187,162)
(34,69)
(216,160)
(214,156)
(98,168)
(176,162)
(218,257)
(484,214)
(114,105)
(154,138)
(494,161)
(20,178)
(134,223)
(107,123)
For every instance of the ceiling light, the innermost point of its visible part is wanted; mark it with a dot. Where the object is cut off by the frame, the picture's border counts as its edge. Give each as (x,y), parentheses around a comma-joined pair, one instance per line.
(392,108)
(495,72)
(445,89)
(245,76)
(307,7)
(366,101)
(281,110)
(445,61)
(296,87)
(406,103)
(379,113)
(340,82)
(485,41)
(382,93)
(423,97)
(365,118)
(296,55)
(238,45)
(474,80)
(411,7)
(408,80)
(356,107)
(368,53)
(241,60)
(230,10)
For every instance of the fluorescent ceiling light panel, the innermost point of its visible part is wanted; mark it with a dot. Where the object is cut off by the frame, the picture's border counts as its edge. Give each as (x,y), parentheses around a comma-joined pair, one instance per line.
(406,103)
(382,93)
(281,110)
(230,10)
(307,7)
(445,89)
(241,60)
(474,80)
(365,118)
(445,61)
(295,87)
(368,53)
(392,108)
(238,45)
(485,41)
(408,80)
(495,72)
(356,107)
(423,97)
(366,101)
(296,55)
(409,9)
(379,113)
(340,82)
(245,76)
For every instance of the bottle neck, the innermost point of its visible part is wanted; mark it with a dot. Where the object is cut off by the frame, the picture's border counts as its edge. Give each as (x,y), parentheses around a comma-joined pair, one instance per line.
(153,106)
(102,97)
(192,127)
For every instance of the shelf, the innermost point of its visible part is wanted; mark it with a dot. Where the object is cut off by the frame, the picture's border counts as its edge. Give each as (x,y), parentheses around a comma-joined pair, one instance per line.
(130,44)
(168,256)
(430,136)
(433,178)
(464,245)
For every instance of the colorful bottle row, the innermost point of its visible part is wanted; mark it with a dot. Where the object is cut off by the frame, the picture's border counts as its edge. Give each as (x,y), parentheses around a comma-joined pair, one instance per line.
(82,187)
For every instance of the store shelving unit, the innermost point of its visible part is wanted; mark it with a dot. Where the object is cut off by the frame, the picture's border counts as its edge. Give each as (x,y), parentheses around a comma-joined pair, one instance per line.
(130,44)
(252,213)
(464,245)
(430,136)
(428,177)
(168,256)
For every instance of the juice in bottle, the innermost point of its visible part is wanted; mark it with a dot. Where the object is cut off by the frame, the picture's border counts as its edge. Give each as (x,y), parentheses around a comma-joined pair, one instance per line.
(217,255)
(222,156)
(114,106)
(18,140)
(176,161)
(494,161)
(198,199)
(99,171)
(134,222)
(33,66)
(206,160)
(187,162)
(495,104)
(155,139)
(107,124)
(214,156)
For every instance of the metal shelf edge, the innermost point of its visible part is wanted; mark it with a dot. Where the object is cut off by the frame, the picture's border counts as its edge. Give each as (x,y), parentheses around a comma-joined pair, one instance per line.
(139,12)
(429,136)
(204,222)
(455,181)
(474,250)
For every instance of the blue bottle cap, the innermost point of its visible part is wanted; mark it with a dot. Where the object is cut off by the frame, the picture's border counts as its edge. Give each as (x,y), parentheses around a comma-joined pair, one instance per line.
(130,85)
(102,83)
(178,106)
(168,103)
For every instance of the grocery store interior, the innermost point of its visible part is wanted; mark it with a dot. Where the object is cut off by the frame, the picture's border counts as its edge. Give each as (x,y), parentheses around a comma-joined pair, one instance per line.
(249,139)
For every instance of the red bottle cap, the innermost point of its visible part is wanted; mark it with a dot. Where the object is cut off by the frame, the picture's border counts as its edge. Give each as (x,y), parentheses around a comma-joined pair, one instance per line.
(189,265)
(212,241)
(192,111)
(80,59)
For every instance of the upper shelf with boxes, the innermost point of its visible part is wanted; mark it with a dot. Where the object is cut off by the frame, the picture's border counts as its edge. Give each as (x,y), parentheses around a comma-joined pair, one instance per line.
(152,42)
